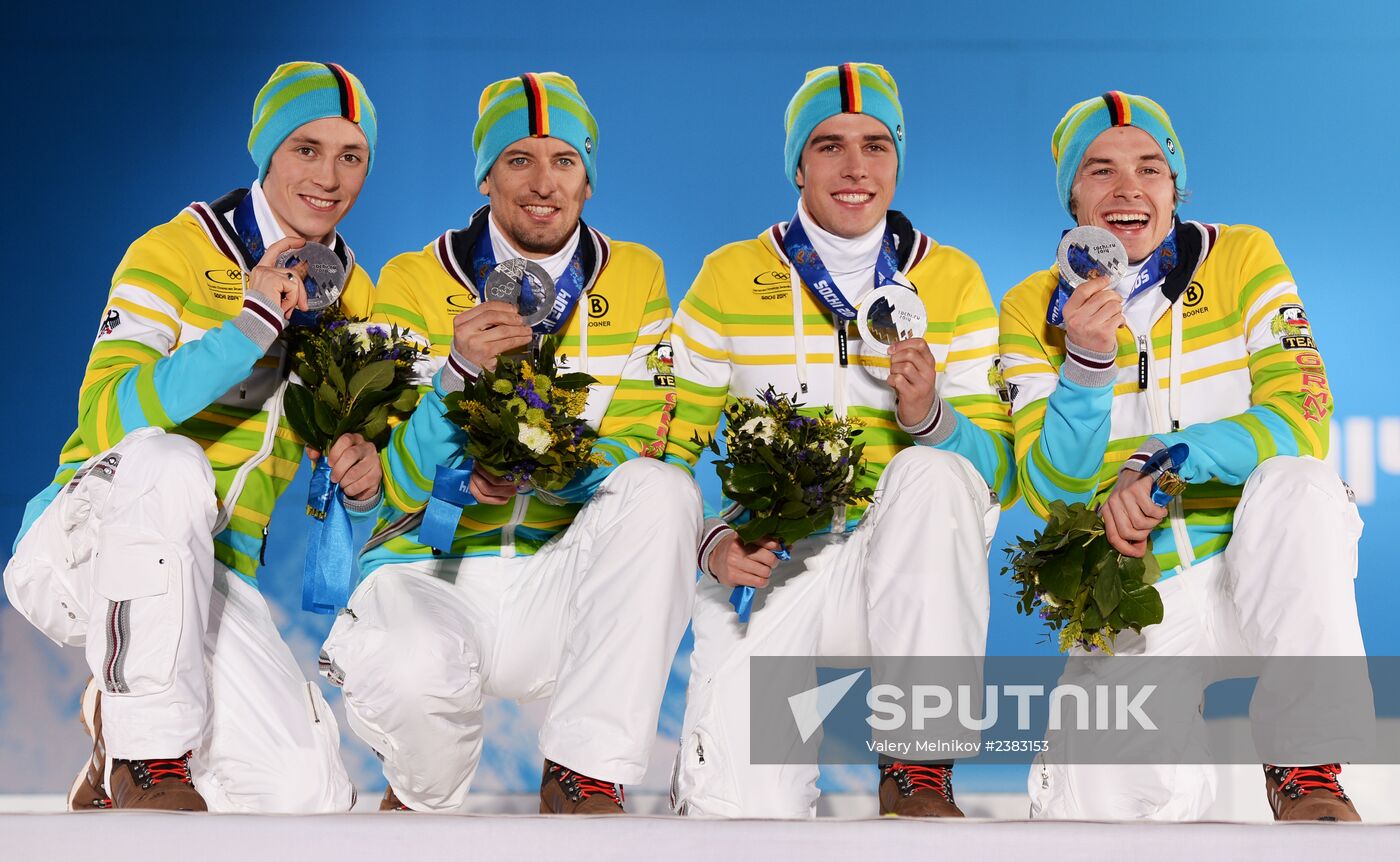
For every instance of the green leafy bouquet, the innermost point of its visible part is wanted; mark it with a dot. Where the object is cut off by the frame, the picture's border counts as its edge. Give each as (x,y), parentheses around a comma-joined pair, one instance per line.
(352,376)
(790,471)
(1083,588)
(524,420)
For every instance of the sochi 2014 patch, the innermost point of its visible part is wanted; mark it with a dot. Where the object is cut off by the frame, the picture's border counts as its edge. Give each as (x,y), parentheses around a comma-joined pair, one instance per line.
(1290,327)
(111,321)
(661,364)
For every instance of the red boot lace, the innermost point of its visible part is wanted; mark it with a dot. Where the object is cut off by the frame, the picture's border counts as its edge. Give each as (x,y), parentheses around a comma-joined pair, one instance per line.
(909,777)
(1301,780)
(160,770)
(580,786)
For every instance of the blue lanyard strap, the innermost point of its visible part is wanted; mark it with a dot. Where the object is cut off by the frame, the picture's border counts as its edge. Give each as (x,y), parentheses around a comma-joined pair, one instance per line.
(569,286)
(814,273)
(245,223)
(1154,271)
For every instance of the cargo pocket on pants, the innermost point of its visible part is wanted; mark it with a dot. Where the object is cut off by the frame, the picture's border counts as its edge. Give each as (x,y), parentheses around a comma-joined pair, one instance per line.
(140,578)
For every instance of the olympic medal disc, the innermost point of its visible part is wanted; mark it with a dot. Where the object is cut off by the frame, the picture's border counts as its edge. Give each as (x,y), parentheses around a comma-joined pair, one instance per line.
(325,274)
(1088,252)
(886,316)
(524,284)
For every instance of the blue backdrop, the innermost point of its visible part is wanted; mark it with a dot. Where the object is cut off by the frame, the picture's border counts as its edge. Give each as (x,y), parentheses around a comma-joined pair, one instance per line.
(118,117)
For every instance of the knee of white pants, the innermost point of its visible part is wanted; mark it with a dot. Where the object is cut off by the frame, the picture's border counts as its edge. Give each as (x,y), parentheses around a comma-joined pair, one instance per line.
(1289,499)
(388,669)
(670,490)
(170,458)
(930,469)
(395,657)
(1287,479)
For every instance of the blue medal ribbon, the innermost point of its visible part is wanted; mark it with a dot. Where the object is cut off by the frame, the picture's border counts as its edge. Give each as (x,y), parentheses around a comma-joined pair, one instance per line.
(742,597)
(451,494)
(245,223)
(1169,459)
(814,273)
(568,287)
(1158,266)
(331,566)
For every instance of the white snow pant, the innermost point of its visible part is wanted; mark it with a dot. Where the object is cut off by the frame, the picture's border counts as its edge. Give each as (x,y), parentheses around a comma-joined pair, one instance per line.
(185,651)
(592,620)
(910,580)
(1283,587)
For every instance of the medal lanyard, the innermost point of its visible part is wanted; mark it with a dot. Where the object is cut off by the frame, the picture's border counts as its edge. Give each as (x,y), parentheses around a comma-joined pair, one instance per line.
(245,223)
(569,285)
(808,267)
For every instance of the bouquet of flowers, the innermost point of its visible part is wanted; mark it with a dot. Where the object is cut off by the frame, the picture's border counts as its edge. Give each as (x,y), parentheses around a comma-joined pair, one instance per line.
(524,424)
(790,471)
(523,420)
(1080,585)
(351,377)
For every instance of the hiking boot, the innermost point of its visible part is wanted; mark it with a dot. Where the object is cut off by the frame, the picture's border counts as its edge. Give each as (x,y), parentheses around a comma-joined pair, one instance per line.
(563,791)
(391,801)
(917,790)
(1308,793)
(158,785)
(89,790)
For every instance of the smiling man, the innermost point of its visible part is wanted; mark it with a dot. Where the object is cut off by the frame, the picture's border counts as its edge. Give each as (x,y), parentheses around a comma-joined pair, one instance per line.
(906,576)
(1201,349)
(147,544)
(580,596)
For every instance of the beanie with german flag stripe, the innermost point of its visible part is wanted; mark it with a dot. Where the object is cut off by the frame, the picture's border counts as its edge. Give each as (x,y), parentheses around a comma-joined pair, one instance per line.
(534,105)
(300,92)
(850,88)
(1090,118)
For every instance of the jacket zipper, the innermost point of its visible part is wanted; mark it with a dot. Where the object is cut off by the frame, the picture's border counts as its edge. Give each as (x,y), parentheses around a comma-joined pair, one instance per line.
(1146,376)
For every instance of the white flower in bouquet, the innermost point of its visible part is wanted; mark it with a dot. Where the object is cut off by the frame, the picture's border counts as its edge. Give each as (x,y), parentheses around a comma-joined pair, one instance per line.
(362,331)
(760,427)
(535,439)
(833,450)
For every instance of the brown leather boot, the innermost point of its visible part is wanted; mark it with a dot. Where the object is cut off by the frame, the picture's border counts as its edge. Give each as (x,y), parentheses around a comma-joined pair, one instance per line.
(563,791)
(157,785)
(1308,793)
(917,790)
(391,801)
(89,790)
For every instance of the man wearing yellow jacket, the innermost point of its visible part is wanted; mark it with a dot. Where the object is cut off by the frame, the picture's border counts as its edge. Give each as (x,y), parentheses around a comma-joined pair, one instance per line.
(906,576)
(581,597)
(1202,349)
(147,544)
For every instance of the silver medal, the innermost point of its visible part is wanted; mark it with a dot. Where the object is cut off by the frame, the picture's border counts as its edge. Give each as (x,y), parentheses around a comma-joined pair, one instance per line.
(886,316)
(325,274)
(1088,252)
(524,284)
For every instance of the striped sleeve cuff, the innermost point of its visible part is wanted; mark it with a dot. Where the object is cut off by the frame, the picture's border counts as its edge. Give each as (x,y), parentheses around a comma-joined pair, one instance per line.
(359,507)
(457,371)
(1138,460)
(936,427)
(261,320)
(1092,368)
(715,529)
